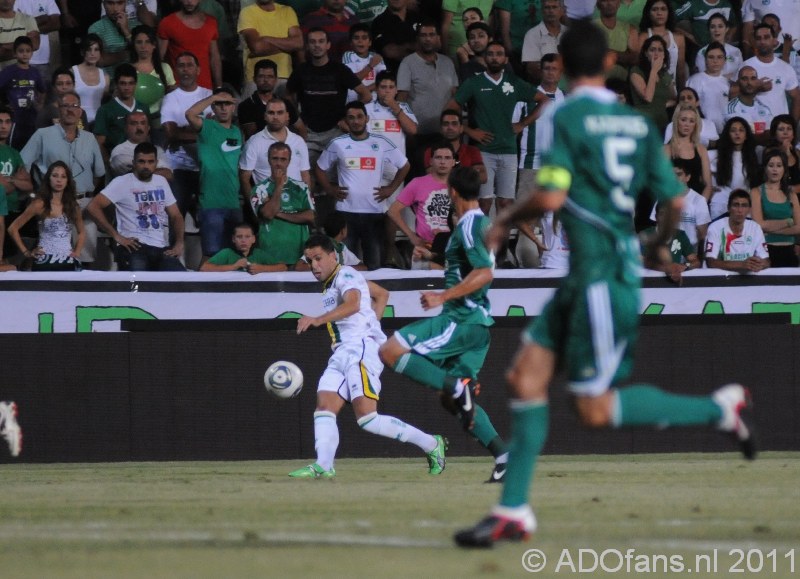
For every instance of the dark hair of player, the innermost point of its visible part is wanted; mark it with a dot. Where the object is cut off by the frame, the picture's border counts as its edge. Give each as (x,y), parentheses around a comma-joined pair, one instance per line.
(583,49)
(320,240)
(466,182)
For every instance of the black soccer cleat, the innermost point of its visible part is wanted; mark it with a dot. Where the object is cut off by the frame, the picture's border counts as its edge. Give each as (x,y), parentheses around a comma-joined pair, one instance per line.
(496,528)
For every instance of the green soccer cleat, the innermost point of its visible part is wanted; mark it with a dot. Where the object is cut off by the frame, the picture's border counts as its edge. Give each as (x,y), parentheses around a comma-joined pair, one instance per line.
(436,459)
(313,471)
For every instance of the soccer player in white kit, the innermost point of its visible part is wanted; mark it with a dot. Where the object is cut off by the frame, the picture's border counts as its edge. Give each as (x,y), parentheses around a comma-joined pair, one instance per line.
(354,369)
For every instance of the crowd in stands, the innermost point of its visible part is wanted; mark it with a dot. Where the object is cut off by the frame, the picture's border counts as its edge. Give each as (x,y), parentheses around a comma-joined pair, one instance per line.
(130,127)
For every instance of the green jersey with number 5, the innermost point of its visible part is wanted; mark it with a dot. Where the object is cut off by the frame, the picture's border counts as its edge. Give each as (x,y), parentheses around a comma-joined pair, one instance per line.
(612,153)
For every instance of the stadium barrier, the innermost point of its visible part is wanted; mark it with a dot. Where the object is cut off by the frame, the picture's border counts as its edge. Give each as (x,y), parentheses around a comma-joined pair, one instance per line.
(185,390)
(99,301)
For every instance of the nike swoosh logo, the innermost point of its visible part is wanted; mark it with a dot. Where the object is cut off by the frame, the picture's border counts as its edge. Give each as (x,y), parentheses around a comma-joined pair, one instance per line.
(498,474)
(468,403)
(226,148)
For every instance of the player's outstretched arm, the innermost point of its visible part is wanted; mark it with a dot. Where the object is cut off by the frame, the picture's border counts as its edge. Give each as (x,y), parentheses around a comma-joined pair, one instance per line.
(474,281)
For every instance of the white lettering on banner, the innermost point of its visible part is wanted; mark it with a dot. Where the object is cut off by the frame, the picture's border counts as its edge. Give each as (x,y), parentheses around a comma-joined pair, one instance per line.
(53,307)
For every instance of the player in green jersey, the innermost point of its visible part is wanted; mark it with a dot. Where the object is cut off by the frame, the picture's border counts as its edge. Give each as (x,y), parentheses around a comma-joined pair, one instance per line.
(602,156)
(446,352)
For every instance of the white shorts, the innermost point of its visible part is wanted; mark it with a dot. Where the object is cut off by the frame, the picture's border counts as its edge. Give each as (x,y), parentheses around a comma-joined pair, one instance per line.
(353,370)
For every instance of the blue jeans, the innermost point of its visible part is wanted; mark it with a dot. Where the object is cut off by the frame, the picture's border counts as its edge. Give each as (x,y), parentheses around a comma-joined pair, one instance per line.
(147,258)
(216,228)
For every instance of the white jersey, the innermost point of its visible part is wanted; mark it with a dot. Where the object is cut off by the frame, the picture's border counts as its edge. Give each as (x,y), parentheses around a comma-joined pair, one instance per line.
(722,243)
(759,115)
(255,158)
(783,78)
(357,63)
(714,95)
(173,110)
(141,208)
(788,11)
(733,61)
(556,256)
(382,121)
(360,164)
(360,325)
(693,214)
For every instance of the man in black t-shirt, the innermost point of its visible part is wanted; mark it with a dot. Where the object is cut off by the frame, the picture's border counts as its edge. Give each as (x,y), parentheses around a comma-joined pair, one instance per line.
(319,86)
(394,33)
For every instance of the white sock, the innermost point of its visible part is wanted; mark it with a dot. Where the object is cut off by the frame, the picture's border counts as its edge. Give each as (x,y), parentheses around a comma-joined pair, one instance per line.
(326,438)
(458,388)
(503,458)
(392,427)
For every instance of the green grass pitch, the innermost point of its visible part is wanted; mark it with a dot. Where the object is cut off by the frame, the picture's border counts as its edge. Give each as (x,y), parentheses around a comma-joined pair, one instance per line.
(388,518)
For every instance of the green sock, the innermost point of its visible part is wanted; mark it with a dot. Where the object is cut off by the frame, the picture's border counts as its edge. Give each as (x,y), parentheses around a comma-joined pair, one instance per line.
(422,370)
(529,426)
(642,404)
(484,431)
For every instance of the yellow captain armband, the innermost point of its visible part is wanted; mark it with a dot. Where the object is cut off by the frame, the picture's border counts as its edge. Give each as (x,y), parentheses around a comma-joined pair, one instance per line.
(553,178)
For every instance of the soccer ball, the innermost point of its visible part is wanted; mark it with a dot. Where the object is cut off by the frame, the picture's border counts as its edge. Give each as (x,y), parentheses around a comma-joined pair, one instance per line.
(283,379)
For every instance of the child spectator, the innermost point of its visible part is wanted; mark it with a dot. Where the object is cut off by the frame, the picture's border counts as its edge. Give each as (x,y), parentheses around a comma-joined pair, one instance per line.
(24,90)
(244,256)
(364,63)
(683,253)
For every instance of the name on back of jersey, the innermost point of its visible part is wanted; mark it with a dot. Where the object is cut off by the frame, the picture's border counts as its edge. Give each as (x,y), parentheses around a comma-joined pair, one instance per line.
(634,126)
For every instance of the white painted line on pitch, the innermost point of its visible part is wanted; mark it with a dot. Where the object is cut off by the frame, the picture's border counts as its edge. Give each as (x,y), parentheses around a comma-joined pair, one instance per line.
(106,533)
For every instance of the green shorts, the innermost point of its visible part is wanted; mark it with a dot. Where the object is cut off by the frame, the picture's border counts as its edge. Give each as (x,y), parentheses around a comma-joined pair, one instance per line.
(459,349)
(592,329)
